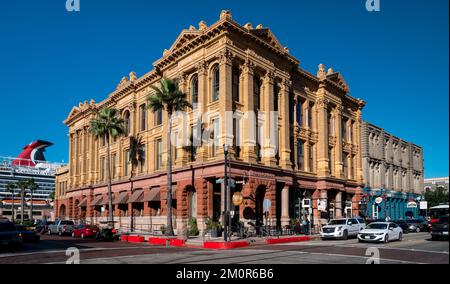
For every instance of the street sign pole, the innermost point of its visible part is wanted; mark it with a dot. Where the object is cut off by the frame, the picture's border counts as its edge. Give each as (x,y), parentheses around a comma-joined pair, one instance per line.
(225,184)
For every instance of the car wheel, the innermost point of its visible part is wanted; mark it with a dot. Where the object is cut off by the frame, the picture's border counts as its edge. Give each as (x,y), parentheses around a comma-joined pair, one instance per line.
(386,239)
(60,233)
(345,235)
(73,235)
(417,230)
(82,236)
(49,232)
(400,236)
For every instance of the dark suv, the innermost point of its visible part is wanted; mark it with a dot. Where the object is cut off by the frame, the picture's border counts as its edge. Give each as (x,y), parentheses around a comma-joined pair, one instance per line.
(9,236)
(439,230)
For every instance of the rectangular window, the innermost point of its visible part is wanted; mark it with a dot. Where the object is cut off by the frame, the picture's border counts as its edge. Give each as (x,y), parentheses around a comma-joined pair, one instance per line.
(235,84)
(310,117)
(311,158)
(344,129)
(158,154)
(143,111)
(236,137)
(113,166)
(330,160)
(158,117)
(300,155)
(276,91)
(126,160)
(142,161)
(175,146)
(345,166)
(216,133)
(298,111)
(330,124)
(195,141)
(103,168)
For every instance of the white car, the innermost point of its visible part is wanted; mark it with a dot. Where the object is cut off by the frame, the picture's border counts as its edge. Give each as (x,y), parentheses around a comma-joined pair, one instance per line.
(342,228)
(381,232)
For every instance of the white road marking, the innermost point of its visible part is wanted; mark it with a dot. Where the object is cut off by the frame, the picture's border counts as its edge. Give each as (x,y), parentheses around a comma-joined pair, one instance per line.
(63,250)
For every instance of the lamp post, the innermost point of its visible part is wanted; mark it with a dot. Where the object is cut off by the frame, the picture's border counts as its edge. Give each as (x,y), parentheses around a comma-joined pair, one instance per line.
(225,184)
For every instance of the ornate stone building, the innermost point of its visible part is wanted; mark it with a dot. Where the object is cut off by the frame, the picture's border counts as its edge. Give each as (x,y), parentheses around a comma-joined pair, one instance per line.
(393,170)
(246,88)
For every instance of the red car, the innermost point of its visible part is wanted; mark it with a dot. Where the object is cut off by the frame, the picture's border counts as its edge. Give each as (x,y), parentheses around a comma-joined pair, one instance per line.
(85,231)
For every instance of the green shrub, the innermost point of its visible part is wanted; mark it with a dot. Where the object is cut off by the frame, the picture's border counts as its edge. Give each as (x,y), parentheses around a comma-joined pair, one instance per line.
(163,229)
(193,229)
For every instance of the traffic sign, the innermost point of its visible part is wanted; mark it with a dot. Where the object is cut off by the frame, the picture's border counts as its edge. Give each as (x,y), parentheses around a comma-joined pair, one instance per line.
(219,181)
(231,182)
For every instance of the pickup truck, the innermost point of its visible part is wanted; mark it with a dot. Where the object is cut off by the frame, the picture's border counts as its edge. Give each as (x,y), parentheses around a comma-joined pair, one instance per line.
(342,228)
(61,227)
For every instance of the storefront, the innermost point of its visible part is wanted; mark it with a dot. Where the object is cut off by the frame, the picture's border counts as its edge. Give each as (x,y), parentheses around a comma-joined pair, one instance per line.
(380,204)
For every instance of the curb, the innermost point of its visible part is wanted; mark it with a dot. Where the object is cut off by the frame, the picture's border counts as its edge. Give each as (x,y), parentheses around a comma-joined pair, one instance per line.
(224,246)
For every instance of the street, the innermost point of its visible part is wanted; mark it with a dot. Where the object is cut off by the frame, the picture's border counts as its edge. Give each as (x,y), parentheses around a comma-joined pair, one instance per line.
(414,249)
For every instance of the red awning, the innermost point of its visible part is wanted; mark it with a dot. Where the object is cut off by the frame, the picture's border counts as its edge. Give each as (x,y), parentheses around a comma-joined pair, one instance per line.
(97,200)
(121,198)
(154,194)
(137,197)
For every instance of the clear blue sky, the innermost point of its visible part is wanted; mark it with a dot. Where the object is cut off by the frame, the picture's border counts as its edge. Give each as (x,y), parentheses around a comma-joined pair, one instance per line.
(397,59)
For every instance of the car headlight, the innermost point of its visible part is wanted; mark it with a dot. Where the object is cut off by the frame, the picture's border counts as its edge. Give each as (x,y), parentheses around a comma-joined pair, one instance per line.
(379,234)
(339,228)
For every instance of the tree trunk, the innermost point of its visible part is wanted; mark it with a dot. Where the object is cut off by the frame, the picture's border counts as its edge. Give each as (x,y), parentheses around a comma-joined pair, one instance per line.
(108,173)
(13,217)
(22,210)
(31,207)
(169,230)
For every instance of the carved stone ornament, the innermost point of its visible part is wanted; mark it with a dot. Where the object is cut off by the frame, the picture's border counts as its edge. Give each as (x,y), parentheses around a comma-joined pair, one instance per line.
(248,67)
(133,76)
(322,103)
(225,14)
(226,57)
(202,67)
(202,26)
(321,72)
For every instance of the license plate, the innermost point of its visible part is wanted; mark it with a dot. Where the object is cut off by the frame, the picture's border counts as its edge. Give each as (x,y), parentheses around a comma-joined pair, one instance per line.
(367,237)
(445,233)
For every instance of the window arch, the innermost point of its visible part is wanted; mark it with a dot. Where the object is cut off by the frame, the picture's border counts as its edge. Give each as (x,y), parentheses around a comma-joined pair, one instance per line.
(215,83)
(194,90)
(127,122)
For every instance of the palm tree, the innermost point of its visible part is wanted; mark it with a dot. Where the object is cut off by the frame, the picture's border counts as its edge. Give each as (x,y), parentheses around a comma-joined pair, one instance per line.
(22,185)
(10,187)
(32,186)
(136,157)
(108,124)
(168,97)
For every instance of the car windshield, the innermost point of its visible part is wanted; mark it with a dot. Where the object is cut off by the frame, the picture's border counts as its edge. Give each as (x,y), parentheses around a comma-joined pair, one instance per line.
(66,223)
(401,222)
(338,222)
(377,226)
(7,227)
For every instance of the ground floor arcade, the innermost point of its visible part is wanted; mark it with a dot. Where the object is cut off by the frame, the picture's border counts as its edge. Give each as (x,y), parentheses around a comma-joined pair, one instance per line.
(197,194)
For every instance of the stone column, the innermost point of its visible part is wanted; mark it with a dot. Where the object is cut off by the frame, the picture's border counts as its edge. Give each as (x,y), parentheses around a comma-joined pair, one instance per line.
(323,195)
(285,155)
(358,126)
(338,205)
(202,71)
(285,206)
(249,120)
(226,102)
(323,169)
(271,122)
(338,149)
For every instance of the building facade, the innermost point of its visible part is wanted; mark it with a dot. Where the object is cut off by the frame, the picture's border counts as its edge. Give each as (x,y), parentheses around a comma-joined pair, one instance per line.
(435,183)
(247,90)
(393,175)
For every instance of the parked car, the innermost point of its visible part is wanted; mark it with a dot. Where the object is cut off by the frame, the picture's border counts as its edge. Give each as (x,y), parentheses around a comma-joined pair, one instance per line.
(42,227)
(381,232)
(27,234)
(61,227)
(439,230)
(85,231)
(403,224)
(9,236)
(342,228)
(417,225)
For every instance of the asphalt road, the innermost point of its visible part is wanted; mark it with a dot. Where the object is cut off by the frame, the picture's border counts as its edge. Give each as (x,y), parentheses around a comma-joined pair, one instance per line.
(414,249)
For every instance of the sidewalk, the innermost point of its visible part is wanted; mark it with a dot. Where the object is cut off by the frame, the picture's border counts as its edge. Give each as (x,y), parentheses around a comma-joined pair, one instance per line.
(215,243)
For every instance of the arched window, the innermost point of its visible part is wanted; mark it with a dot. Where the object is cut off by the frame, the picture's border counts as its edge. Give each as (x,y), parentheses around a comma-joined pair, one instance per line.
(192,203)
(194,90)
(215,82)
(127,122)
